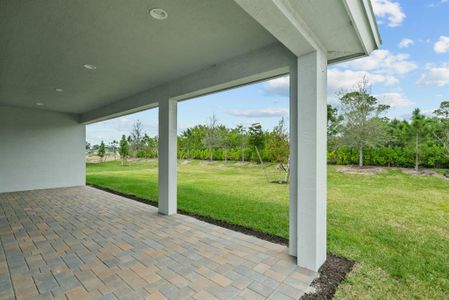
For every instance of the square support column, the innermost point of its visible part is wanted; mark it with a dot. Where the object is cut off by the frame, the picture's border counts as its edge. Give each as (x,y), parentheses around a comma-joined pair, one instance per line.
(308,119)
(167,194)
(293,210)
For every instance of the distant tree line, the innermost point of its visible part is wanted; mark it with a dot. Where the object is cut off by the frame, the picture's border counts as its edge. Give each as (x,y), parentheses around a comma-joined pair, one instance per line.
(358,133)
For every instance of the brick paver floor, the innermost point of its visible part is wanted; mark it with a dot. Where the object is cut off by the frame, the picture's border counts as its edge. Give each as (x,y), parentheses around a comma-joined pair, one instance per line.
(83,243)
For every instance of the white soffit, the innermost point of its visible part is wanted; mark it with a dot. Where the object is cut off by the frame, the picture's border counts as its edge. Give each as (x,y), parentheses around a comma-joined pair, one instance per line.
(345,29)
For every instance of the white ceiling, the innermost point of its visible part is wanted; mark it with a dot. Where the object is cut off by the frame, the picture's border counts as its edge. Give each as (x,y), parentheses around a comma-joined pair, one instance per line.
(44,45)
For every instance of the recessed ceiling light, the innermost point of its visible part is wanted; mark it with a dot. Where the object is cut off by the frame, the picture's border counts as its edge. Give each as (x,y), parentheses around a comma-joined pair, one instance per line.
(158,13)
(59,90)
(89,67)
(39,104)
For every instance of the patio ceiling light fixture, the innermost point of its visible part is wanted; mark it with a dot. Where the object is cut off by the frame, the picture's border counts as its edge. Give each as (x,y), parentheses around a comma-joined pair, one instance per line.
(59,90)
(90,67)
(39,104)
(158,13)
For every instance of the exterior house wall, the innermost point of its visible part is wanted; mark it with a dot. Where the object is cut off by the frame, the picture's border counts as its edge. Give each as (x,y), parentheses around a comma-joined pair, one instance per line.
(40,149)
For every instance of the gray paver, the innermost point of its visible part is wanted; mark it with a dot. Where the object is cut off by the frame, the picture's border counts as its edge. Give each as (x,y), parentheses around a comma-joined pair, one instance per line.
(85,243)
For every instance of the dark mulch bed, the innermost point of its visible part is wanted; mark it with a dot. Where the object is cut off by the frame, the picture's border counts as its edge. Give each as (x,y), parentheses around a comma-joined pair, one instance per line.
(332,272)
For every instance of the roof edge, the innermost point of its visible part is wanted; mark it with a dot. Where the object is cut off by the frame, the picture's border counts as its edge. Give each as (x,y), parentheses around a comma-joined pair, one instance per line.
(372,20)
(364,22)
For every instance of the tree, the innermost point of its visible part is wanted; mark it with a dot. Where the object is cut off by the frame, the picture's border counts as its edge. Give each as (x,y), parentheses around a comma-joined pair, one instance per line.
(441,131)
(136,137)
(334,125)
(417,130)
(242,138)
(113,146)
(87,146)
(399,131)
(149,146)
(278,147)
(363,124)
(123,149)
(212,139)
(256,140)
(153,144)
(225,140)
(186,137)
(334,120)
(101,151)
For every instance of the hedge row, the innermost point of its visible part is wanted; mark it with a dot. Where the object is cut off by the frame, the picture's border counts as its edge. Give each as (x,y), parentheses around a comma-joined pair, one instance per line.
(432,156)
(429,156)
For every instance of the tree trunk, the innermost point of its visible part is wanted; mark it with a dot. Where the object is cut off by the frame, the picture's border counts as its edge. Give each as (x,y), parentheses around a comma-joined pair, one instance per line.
(417,152)
(243,153)
(211,155)
(280,172)
(361,156)
(261,163)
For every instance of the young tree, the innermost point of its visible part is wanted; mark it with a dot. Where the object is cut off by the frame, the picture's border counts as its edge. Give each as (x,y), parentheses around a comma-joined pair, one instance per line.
(113,146)
(101,151)
(278,147)
(441,132)
(226,141)
(363,124)
(186,137)
(242,137)
(151,147)
(136,137)
(123,149)
(212,138)
(256,140)
(145,142)
(417,130)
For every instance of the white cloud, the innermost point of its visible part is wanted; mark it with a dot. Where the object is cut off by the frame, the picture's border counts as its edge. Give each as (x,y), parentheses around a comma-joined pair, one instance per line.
(121,124)
(389,11)
(442,45)
(405,43)
(346,79)
(278,86)
(394,99)
(124,124)
(435,75)
(384,62)
(438,3)
(381,67)
(337,80)
(259,113)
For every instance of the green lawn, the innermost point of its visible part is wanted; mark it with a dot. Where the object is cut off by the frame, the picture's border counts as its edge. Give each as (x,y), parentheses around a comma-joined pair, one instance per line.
(395,226)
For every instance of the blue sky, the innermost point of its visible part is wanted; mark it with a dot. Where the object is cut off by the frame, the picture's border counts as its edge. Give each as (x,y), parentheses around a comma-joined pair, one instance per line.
(410,70)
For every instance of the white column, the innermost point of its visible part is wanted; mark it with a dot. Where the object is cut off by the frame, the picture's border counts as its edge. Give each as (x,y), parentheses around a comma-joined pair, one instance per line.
(310,183)
(167,157)
(293,217)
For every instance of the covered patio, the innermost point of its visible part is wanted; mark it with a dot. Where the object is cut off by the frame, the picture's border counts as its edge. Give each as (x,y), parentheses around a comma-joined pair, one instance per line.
(83,243)
(66,64)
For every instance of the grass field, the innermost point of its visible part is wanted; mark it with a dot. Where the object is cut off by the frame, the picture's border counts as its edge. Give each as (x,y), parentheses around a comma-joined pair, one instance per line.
(394,225)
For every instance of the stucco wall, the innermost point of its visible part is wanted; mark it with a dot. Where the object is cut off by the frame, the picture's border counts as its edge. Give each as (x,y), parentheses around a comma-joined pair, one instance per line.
(40,149)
